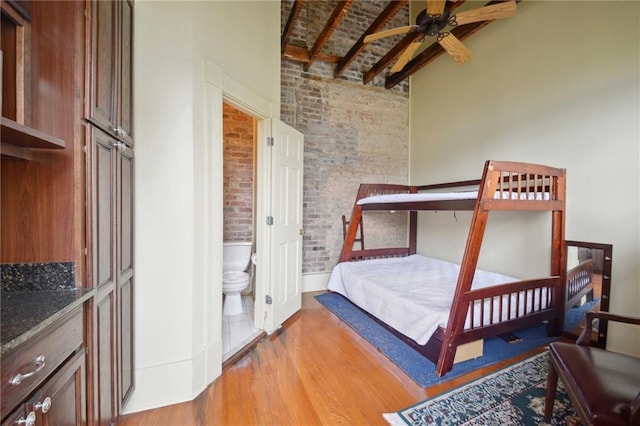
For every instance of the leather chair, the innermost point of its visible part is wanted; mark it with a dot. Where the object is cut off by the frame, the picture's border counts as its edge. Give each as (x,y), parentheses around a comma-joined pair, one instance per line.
(604,386)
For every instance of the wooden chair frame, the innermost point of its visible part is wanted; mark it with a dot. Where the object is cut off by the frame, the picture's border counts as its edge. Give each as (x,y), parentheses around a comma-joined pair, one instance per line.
(556,370)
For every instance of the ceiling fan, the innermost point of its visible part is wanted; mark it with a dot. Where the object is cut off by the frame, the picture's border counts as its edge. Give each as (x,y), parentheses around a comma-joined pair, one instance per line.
(434,19)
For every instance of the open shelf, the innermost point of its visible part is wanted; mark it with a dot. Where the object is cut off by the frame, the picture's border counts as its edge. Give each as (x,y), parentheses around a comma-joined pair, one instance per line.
(17,138)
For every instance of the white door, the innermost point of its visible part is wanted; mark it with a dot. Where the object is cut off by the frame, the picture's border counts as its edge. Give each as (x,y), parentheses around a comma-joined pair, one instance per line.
(286,231)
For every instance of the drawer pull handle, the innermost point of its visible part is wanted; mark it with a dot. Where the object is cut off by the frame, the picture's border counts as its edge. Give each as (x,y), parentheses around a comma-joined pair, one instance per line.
(29,421)
(44,405)
(18,378)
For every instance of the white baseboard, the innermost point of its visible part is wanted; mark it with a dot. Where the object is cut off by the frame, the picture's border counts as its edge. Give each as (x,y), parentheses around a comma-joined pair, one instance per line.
(160,386)
(316,281)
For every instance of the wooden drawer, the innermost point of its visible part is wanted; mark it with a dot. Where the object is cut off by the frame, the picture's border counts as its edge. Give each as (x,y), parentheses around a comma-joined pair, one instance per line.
(55,343)
(19,415)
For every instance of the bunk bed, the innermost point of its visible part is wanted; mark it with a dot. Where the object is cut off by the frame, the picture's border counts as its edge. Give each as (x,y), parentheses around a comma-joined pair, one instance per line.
(495,304)
(579,283)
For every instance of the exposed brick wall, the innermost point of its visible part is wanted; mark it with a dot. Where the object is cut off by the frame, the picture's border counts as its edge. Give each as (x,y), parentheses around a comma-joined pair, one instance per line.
(238,135)
(353,133)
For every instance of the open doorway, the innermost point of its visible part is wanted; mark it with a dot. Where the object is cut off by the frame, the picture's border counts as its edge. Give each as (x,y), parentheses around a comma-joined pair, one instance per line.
(239,230)
(277,232)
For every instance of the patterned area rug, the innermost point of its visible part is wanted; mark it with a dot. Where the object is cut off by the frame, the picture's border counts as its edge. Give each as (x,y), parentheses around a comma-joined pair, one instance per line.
(512,396)
(417,367)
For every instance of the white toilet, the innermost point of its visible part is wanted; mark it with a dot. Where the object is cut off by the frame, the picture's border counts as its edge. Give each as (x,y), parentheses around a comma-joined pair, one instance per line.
(236,256)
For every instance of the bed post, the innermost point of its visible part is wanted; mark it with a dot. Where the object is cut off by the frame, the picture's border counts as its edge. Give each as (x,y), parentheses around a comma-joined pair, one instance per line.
(467,269)
(558,255)
(413,232)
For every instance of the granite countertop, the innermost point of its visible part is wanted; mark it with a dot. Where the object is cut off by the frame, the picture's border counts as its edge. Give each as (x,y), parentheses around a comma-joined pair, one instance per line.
(33,296)
(23,314)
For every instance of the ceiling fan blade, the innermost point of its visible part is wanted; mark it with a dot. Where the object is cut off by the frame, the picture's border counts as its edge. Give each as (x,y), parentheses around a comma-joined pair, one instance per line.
(389,33)
(495,11)
(454,47)
(435,7)
(406,55)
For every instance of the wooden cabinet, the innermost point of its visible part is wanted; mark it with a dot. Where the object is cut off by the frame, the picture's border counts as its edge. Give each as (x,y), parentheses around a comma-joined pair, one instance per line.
(125,271)
(60,401)
(110,100)
(111,216)
(111,164)
(75,202)
(15,28)
(43,200)
(43,380)
(102,96)
(105,408)
(102,169)
(125,86)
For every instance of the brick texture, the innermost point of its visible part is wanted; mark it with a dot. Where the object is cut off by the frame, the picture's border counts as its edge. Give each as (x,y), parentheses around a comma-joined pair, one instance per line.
(238,136)
(353,133)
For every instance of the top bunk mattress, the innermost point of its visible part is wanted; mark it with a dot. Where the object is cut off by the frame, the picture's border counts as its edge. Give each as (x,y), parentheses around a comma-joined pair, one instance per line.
(448,196)
(412,294)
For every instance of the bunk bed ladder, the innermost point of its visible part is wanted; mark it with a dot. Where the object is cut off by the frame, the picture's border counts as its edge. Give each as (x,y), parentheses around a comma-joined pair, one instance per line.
(359,238)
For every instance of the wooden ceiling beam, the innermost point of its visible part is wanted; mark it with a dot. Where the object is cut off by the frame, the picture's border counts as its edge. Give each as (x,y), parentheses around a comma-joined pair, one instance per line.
(300,54)
(389,57)
(334,20)
(291,22)
(383,19)
(434,51)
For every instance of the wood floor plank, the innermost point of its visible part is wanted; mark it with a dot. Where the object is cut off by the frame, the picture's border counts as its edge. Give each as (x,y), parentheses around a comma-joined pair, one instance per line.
(315,371)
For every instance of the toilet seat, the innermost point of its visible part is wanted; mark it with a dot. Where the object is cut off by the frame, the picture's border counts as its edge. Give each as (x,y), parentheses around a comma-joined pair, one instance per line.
(234,277)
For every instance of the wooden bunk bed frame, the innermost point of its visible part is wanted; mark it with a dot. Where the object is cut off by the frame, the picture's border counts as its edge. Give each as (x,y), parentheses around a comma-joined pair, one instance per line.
(504,186)
(579,283)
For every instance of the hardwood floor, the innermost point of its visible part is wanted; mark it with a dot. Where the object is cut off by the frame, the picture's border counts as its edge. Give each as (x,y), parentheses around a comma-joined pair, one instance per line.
(316,371)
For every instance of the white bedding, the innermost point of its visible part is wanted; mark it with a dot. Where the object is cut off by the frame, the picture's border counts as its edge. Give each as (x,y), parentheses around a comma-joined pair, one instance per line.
(443,196)
(412,294)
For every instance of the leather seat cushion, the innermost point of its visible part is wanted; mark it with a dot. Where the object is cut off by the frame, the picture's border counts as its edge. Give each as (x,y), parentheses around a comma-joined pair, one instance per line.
(606,382)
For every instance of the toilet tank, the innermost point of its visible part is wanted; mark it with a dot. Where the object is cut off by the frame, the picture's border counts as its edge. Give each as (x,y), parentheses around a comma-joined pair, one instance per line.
(236,255)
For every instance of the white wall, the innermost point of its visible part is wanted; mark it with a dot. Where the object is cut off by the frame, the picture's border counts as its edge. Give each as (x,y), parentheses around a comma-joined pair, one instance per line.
(174,292)
(557,84)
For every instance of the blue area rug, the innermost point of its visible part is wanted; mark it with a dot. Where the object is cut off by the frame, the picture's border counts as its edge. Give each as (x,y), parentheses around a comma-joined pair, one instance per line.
(575,316)
(416,366)
(512,396)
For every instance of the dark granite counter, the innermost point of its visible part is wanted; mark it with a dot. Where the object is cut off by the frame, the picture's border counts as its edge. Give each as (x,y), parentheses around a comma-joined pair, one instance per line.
(23,314)
(33,296)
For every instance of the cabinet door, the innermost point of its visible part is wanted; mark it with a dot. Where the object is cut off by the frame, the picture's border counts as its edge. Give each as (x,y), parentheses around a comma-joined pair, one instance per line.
(125,102)
(104,65)
(105,387)
(103,199)
(111,74)
(125,273)
(61,400)
(103,245)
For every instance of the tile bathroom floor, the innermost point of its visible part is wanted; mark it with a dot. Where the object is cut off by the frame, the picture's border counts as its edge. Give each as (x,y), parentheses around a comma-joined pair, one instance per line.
(238,330)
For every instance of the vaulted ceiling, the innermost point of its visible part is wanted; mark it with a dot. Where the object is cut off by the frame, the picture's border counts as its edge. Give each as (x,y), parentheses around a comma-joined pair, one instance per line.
(344,12)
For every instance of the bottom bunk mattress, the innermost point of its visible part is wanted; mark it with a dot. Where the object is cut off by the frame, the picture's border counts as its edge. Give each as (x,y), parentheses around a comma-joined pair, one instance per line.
(412,294)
